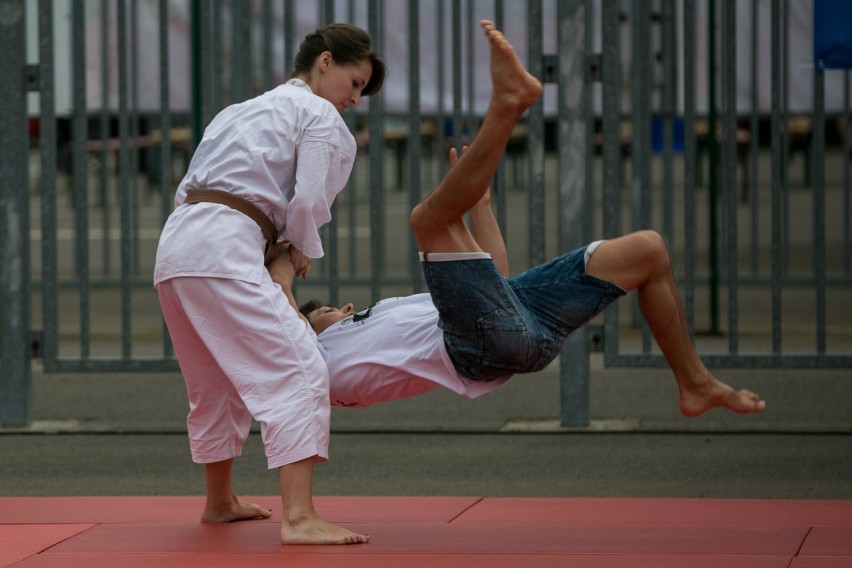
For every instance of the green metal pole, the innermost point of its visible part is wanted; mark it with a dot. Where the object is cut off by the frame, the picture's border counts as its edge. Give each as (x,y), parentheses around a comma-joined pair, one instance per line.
(196,87)
(15,371)
(713,176)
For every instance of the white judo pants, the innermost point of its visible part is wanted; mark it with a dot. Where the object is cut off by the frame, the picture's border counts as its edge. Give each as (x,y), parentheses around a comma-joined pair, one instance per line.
(245,353)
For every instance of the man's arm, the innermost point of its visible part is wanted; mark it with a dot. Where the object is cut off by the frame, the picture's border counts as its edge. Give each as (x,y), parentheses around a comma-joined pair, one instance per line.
(282,272)
(485,229)
(487,233)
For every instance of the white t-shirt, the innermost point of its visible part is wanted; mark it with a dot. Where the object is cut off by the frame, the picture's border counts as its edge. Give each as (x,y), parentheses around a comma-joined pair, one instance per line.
(252,149)
(390,351)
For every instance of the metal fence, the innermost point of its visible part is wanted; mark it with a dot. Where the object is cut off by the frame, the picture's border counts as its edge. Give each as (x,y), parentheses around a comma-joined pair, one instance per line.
(656,114)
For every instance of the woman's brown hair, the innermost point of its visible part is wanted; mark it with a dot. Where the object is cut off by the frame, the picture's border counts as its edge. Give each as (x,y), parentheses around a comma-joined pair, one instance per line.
(348,44)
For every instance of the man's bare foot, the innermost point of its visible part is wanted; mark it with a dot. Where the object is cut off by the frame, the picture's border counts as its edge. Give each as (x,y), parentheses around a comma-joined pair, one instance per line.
(314,530)
(695,400)
(513,88)
(237,511)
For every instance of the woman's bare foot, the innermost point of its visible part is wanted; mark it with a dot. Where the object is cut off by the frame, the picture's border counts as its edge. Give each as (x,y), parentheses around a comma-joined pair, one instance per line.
(314,530)
(712,393)
(236,511)
(513,88)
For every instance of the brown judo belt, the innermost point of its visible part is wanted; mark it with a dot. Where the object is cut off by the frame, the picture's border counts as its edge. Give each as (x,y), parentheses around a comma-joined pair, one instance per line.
(245,207)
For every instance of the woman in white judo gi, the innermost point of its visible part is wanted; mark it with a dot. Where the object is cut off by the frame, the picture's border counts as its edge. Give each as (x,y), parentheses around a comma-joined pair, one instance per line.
(266,169)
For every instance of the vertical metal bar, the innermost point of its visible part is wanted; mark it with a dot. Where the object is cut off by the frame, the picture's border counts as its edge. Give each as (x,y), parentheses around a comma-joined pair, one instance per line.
(377,232)
(134,135)
(196,80)
(785,133)
(777,176)
(729,181)
(669,110)
(241,58)
(352,220)
(574,364)
(290,39)
(327,16)
(123,180)
(214,59)
(352,202)
(47,156)
(500,186)
(414,139)
(326,12)
(611,151)
(640,114)
(80,174)
(267,50)
(15,380)
(457,75)
(818,188)
(499,14)
(589,110)
(165,135)
(535,140)
(470,68)
(352,193)
(713,168)
(847,206)
(641,139)
(753,196)
(689,158)
(440,89)
(611,115)
(106,199)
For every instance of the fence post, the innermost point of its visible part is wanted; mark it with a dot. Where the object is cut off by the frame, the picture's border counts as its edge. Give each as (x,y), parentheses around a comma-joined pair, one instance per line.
(14,230)
(574,226)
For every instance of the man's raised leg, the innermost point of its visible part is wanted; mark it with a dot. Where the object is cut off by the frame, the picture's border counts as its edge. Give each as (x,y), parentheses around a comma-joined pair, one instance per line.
(438,220)
(640,261)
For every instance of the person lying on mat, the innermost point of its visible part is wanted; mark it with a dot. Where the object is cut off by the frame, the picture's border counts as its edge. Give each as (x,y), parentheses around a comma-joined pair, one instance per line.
(477,327)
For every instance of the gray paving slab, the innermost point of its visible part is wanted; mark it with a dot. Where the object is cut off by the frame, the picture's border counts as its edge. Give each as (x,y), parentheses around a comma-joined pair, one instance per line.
(124,435)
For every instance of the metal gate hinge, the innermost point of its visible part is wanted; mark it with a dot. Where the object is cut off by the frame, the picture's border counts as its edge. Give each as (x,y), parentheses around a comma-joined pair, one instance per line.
(594,64)
(596,338)
(32,78)
(36,343)
(550,62)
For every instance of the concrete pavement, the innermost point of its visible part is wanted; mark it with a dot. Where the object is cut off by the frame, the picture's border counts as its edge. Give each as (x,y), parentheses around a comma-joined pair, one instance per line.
(124,435)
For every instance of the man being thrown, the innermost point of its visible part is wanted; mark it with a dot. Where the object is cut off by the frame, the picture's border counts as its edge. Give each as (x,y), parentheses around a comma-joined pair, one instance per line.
(476,328)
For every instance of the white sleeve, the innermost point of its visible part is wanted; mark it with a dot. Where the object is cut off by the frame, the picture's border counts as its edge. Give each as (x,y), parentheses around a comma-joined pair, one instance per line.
(323,163)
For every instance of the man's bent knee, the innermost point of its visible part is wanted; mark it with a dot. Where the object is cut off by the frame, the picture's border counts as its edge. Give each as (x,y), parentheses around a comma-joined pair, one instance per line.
(653,249)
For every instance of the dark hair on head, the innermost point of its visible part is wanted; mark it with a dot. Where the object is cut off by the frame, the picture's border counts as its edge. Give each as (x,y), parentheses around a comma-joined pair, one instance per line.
(348,45)
(310,306)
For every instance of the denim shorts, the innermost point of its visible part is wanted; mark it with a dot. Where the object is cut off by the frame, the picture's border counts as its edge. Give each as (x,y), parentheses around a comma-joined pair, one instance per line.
(495,327)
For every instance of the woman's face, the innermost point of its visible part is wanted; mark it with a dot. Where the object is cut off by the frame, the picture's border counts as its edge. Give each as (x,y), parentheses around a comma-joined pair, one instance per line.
(341,84)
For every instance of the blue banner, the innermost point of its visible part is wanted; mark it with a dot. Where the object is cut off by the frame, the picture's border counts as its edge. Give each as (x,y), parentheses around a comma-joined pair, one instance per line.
(832,34)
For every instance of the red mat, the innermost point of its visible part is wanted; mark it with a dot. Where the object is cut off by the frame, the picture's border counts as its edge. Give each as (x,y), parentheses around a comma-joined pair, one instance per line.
(680,511)
(321,560)
(503,538)
(822,562)
(22,541)
(829,541)
(188,509)
(424,532)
